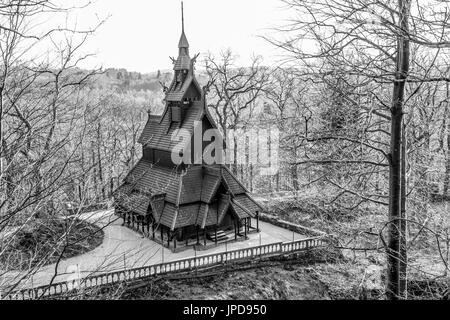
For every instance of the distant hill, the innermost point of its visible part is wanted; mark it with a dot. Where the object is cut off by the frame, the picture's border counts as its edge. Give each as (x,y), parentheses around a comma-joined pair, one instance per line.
(124,80)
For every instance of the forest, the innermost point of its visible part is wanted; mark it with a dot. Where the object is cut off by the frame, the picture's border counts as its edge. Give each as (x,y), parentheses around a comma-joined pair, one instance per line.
(362,110)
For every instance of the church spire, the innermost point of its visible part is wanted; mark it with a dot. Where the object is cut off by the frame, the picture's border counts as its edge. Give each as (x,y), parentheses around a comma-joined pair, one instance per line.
(184,61)
(183,40)
(182,17)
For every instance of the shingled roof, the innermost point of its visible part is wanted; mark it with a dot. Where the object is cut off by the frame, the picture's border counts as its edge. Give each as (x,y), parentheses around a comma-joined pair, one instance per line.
(158,134)
(180,199)
(177,92)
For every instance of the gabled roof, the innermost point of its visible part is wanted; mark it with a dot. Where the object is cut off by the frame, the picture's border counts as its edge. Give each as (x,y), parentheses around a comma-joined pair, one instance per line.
(154,179)
(176,93)
(247,202)
(183,199)
(159,135)
(187,215)
(240,211)
(132,200)
(234,185)
(209,187)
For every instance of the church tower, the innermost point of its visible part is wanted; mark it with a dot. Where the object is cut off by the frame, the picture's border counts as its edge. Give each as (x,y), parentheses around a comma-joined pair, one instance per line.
(184,88)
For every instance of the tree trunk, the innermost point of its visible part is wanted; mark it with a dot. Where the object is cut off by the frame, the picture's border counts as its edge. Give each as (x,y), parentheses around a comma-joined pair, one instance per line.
(403,223)
(446,191)
(100,167)
(402,68)
(294,172)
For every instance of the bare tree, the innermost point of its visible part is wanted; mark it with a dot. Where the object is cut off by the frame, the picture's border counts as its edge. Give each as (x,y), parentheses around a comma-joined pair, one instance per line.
(372,40)
(233,91)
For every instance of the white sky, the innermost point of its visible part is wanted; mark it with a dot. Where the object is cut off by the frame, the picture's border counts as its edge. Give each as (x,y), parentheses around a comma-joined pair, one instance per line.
(140,35)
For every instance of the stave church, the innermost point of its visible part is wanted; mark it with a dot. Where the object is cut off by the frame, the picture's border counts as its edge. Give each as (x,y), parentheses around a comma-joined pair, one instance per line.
(185,203)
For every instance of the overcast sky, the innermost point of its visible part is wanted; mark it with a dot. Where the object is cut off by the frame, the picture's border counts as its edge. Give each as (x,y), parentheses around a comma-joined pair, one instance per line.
(140,35)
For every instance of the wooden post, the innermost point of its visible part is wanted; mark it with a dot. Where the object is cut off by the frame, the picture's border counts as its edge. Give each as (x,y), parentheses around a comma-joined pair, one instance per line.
(198,238)
(245,228)
(168,238)
(257,221)
(153,230)
(162,234)
(235,229)
(204,236)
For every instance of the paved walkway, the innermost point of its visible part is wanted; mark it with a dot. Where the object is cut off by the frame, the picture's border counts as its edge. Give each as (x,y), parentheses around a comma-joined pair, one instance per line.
(124,248)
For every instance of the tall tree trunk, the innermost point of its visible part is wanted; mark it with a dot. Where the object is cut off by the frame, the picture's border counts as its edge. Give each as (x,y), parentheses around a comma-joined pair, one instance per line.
(294,172)
(402,69)
(447,167)
(446,191)
(403,223)
(251,177)
(235,153)
(3,187)
(100,164)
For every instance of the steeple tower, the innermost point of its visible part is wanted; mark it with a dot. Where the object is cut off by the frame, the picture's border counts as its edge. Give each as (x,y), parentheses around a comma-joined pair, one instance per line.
(184,61)
(183,43)
(184,87)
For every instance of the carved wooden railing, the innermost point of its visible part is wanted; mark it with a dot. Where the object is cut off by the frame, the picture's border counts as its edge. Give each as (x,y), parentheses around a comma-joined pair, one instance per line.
(183,265)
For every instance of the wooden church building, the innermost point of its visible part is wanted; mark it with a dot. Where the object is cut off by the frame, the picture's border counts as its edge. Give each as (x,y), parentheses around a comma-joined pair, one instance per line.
(184,203)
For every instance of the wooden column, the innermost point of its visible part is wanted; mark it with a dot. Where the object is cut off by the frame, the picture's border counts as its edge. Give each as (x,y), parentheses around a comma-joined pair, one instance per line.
(198,238)
(153,230)
(235,229)
(257,221)
(245,228)
(168,238)
(204,236)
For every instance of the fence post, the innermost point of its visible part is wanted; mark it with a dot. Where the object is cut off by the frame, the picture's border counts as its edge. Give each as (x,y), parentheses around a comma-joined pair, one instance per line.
(195,262)
(260,247)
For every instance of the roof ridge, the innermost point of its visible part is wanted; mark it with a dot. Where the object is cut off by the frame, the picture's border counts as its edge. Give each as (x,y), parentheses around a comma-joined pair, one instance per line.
(205,216)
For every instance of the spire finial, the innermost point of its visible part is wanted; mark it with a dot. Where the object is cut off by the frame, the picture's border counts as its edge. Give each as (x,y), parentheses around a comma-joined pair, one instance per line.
(182,17)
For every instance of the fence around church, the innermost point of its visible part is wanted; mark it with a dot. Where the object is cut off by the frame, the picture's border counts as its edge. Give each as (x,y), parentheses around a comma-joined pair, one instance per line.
(172,267)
